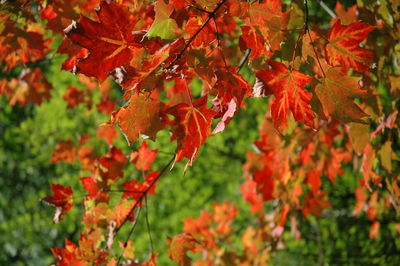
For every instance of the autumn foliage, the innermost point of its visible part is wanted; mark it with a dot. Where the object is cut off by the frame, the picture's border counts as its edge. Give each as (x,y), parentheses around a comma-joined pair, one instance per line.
(332,90)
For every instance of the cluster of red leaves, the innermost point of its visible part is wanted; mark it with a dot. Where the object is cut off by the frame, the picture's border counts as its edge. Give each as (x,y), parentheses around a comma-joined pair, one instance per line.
(101,217)
(20,44)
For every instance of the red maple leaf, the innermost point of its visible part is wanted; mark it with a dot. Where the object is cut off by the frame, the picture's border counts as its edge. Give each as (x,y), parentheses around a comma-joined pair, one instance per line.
(337,93)
(62,200)
(252,39)
(94,189)
(290,94)
(346,15)
(343,48)
(111,42)
(265,183)
(136,190)
(144,157)
(140,116)
(106,105)
(73,97)
(107,132)
(21,45)
(31,86)
(268,17)
(65,151)
(68,255)
(112,165)
(179,245)
(191,127)
(314,180)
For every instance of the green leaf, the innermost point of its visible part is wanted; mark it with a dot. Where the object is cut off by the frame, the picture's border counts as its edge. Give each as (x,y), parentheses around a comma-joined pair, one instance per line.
(163,26)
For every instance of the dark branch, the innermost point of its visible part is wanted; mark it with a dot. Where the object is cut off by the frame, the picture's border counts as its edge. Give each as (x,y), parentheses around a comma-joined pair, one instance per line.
(210,16)
(137,203)
(243,60)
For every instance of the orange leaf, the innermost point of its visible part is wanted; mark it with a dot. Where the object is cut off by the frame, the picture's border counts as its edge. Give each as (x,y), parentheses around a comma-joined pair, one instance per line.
(179,245)
(140,116)
(144,157)
(337,92)
(191,127)
(344,48)
(110,41)
(107,132)
(62,200)
(290,94)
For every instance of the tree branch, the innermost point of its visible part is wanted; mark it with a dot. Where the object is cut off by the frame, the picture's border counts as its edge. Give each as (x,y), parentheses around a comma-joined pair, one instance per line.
(139,200)
(210,16)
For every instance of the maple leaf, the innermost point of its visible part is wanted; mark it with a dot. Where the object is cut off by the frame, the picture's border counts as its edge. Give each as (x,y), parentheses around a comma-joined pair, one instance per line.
(74,52)
(62,200)
(265,183)
(314,179)
(290,94)
(337,93)
(251,39)
(333,163)
(204,37)
(107,132)
(268,17)
(136,190)
(65,151)
(179,92)
(142,75)
(112,165)
(94,189)
(315,203)
(224,214)
(89,247)
(21,45)
(179,245)
(163,26)
(343,48)
(348,15)
(111,42)
(231,89)
(140,116)
(68,255)
(251,196)
(73,97)
(106,105)
(144,157)
(191,127)
(58,14)
(31,86)
(374,231)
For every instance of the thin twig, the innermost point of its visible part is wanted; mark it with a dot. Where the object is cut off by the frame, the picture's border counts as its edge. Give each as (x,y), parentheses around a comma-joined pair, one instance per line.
(200,9)
(243,60)
(148,224)
(315,52)
(307,30)
(295,48)
(139,200)
(187,44)
(327,9)
(130,232)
